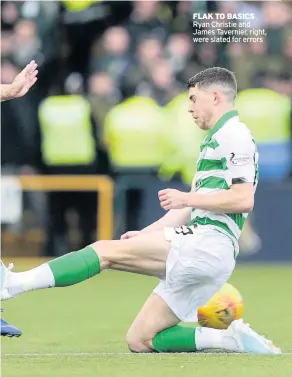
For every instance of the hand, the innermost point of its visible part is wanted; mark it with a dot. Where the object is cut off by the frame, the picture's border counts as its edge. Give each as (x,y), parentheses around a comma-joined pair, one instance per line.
(172,199)
(130,234)
(24,80)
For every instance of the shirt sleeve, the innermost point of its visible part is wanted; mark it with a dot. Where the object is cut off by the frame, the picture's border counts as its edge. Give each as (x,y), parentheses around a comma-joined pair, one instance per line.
(241,159)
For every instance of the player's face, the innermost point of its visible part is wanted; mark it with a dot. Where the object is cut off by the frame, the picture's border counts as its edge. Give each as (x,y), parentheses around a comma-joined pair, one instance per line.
(201,104)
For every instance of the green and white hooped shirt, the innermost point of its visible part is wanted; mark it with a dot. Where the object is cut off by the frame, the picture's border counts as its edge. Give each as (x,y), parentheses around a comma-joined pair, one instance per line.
(228,155)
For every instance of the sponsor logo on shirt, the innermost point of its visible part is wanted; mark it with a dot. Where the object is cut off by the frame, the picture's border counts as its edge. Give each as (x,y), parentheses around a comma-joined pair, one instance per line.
(198,184)
(240,159)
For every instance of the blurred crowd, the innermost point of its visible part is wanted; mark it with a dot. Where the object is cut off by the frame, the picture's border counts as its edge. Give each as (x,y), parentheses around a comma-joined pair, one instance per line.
(113,50)
(109,51)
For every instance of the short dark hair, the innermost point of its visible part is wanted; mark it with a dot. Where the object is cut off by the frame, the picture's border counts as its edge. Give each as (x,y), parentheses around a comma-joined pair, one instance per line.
(217,76)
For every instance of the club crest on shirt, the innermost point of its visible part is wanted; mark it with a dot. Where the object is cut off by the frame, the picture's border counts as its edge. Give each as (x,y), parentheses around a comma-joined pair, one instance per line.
(239,159)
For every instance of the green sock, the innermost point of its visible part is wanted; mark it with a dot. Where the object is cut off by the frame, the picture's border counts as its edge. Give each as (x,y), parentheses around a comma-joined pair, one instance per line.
(75,267)
(175,339)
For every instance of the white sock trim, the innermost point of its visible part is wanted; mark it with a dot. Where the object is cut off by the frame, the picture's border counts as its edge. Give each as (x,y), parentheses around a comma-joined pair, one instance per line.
(37,278)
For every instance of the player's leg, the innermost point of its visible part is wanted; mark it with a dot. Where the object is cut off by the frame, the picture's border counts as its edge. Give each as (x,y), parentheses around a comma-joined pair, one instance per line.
(154,317)
(196,268)
(191,279)
(156,329)
(144,254)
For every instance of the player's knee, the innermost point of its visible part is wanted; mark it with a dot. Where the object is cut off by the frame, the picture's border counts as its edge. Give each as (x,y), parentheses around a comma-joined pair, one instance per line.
(104,250)
(137,345)
(111,253)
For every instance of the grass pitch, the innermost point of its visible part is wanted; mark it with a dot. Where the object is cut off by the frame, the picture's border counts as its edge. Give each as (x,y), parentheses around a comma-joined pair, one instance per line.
(80,330)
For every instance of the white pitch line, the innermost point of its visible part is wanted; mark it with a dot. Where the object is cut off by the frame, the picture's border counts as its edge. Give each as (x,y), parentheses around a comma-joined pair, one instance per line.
(92,354)
(75,354)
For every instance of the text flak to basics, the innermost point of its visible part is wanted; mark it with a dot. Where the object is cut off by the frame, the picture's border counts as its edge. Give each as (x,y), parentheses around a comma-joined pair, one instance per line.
(226,28)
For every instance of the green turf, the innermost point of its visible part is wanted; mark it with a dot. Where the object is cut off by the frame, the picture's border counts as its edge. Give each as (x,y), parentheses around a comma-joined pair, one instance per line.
(80,331)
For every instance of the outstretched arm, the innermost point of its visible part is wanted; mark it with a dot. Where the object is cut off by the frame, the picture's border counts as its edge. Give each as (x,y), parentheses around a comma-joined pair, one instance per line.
(238,199)
(21,84)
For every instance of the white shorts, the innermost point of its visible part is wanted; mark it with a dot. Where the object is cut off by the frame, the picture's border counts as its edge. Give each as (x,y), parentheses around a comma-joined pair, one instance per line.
(198,264)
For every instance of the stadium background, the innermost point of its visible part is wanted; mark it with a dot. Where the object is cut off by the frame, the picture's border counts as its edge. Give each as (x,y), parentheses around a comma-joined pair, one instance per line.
(139,54)
(97,55)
